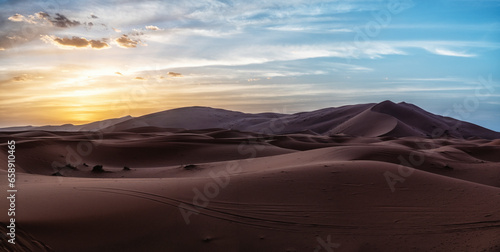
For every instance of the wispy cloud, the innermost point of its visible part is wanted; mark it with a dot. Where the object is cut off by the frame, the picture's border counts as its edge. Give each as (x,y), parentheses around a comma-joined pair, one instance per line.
(173,74)
(447,52)
(21,18)
(440,79)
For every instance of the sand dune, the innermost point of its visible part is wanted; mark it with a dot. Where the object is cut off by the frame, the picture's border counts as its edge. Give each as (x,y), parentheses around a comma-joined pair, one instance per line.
(370,120)
(271,204)
(70,127)
(367,123)
(382,119)
(355,178)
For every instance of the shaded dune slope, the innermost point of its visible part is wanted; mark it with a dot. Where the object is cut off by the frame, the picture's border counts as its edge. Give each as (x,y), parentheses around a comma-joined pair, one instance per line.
(370,120)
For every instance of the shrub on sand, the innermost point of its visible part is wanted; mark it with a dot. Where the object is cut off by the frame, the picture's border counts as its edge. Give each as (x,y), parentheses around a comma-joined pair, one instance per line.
(98,168)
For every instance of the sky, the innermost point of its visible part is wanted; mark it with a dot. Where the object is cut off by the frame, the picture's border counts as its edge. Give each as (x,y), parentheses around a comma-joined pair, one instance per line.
(82,61)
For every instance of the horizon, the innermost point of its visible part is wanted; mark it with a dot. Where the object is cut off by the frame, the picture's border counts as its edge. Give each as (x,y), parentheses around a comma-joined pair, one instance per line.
(286,113)
(78,62)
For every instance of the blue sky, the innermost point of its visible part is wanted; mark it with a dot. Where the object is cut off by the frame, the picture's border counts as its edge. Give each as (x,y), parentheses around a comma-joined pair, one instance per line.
(80,61)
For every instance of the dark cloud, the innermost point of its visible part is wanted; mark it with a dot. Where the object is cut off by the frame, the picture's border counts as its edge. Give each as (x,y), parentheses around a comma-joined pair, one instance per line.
(126,42)
(78,42)
(62,21)
(88,25)
(58,20)
(172,74)
(45,24)
(41,25)
(42,15)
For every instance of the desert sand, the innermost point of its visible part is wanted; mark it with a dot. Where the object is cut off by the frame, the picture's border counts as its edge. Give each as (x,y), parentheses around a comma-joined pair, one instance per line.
(369,177)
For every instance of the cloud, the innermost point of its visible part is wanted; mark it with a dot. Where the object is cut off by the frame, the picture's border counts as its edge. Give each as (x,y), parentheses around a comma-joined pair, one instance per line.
(442,79)
(23,77)
(42,15)
(116,30)
(126,42)
(30,76)
(88,25)
(94,16)
(76,42)
(152,28)
(58,20)
(15,37)
(136,33)
(139,78)
(16,18)
(118,73)
(98,44)
(20,18)
(172,74)
(446,52)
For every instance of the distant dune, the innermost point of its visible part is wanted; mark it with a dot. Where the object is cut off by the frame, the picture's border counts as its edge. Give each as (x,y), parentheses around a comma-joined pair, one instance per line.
(370,177)
(70,127)
(369,120)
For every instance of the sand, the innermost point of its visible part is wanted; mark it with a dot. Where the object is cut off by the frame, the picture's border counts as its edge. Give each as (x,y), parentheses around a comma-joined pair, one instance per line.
(217,189)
